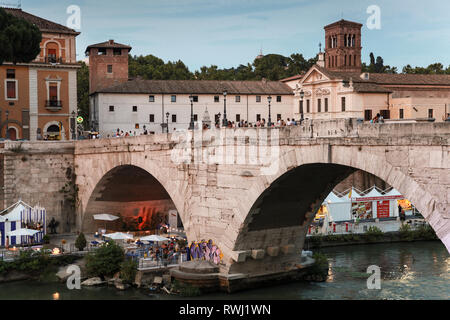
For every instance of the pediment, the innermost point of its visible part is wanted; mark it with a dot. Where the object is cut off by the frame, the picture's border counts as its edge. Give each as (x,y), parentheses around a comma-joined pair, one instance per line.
(313,76)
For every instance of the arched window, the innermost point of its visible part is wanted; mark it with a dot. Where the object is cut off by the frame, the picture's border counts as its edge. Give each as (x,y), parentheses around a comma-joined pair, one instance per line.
(51,52)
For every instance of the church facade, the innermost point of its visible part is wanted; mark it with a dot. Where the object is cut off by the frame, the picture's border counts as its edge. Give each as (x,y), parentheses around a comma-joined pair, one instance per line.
(336,87)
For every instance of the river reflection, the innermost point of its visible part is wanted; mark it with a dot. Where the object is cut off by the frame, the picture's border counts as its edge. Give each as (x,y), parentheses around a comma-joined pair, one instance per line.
(412,271)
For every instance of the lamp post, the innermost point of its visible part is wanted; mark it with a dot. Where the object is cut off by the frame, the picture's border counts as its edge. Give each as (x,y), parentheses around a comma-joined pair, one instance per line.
(269,99)
(7,124)
(167,118)
(225,120)
(302,95)
(73,125)
(191,125)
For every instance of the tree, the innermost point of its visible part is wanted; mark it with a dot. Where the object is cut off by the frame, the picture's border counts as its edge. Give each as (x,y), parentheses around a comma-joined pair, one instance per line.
(377,66)
(83,92)
(19,39)
(105,261)
(81,242)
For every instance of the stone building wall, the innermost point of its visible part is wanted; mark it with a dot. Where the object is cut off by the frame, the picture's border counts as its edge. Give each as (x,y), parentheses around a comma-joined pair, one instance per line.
(36,173)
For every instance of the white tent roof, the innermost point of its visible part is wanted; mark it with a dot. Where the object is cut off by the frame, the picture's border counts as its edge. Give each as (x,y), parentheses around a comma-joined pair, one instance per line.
(393,192)
(372,194)
(332,198)
(355,194)
(22,232)
(14,215)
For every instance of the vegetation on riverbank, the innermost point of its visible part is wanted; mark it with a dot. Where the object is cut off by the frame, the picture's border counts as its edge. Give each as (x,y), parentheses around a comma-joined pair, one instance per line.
(374,235)
(105,261)
(36,264)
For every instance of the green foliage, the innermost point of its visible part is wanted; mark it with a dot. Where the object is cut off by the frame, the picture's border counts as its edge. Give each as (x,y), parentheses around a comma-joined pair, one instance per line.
(186,290)
(19,39)
(405,232)
(374,233)
(35,262)
(80,242)
(128,270)
(377,66)
(320,267)
(46,239)
(435,68)
(425,232)
(83,92)
(105,261)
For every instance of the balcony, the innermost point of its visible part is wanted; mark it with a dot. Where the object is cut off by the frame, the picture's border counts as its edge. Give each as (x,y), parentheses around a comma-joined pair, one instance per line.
(53,60)
(53,105)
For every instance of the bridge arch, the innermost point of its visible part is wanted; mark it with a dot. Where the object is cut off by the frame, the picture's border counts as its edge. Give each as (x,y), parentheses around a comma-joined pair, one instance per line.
(95,176)
(298,168)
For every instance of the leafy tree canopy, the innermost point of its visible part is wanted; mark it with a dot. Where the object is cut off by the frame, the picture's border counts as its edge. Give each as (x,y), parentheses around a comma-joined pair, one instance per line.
(19,39)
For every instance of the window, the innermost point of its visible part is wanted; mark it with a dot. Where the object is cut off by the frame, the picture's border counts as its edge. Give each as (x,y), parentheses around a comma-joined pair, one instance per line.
(402,114)
(51,55)
(216,99)
(368,115)
(278,98)
(136,126)
(301,106)
(111,108)
(258,98)
(53,92)
(258,117)
(326,104)
(195,117)
(343,104)
(173,98)
(430,114)
(117,52)
(319,105)
(11,89)
(174,118)
(386,114)
(134,108)
(238,99)
(308,106)
(151,98)
(279,117)
(110,68)
(238,118)
(195,98)
(10,74)
(152,118)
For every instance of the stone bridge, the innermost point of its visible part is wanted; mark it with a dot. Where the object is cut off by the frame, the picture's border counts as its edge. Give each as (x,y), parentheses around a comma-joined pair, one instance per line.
(255,192)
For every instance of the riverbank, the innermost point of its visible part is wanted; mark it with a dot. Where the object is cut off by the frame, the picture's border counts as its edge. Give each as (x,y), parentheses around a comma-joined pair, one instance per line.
(372,236)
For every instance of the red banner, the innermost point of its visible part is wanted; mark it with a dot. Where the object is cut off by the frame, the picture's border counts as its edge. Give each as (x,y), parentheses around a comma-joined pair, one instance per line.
(383,209)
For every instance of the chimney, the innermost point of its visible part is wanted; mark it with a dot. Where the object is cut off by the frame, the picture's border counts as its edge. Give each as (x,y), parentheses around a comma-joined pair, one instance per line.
(321,60)
(264,80)
(111,42)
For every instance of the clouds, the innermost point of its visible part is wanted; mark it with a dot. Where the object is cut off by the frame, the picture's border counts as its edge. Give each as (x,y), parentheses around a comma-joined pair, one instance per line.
(230,32)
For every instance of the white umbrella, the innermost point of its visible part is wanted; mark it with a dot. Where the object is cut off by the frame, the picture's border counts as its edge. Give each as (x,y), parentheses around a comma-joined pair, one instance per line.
(22,232)
(154,238)
(105,217)
(119,236)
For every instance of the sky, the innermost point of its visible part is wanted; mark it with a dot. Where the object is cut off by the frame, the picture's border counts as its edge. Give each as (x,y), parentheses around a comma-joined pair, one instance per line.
(227,33)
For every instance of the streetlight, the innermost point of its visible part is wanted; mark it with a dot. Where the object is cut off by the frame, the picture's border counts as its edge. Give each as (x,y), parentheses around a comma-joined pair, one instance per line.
(167,118)
(302,95)
(270,113)
(7,124)
(191,126)
(225,120)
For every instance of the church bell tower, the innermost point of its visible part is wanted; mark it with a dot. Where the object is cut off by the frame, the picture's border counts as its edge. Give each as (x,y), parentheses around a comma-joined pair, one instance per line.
(343,46)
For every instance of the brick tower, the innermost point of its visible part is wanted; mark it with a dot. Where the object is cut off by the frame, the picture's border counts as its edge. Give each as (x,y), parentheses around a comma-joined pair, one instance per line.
(343,46)
(108,64)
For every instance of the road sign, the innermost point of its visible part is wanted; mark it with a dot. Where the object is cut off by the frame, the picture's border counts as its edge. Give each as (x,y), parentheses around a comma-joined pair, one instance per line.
(80,120)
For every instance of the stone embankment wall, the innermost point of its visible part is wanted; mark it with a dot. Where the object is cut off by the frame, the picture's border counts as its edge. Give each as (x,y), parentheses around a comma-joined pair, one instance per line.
(37,172)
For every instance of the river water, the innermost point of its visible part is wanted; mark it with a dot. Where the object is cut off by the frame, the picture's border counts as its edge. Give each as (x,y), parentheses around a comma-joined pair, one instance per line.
(410,271)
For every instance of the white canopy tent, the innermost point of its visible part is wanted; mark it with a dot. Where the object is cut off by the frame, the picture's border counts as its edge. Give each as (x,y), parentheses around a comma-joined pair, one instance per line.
(155,238)
(119,236)
(105,217)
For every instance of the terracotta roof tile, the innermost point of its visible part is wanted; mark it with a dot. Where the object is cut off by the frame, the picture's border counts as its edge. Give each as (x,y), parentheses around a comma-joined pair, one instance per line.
(108,44)
(200,87)
(43,24)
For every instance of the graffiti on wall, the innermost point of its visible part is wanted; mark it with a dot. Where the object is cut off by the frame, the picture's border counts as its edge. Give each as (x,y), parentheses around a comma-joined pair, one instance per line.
(205,251)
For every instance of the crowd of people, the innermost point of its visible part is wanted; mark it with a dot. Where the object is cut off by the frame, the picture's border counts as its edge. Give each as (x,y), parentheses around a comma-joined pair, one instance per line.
(260,124)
